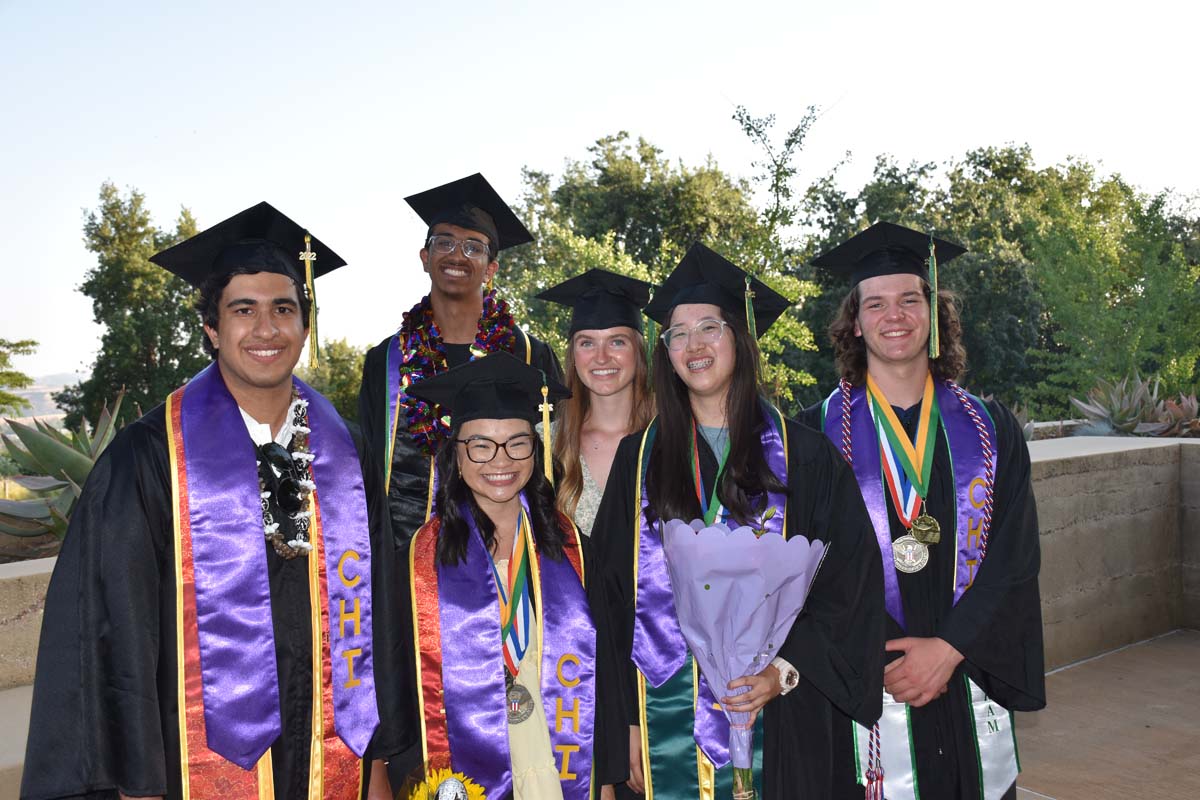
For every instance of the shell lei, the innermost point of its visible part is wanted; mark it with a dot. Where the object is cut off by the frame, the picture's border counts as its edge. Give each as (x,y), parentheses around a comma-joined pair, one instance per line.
(425,355)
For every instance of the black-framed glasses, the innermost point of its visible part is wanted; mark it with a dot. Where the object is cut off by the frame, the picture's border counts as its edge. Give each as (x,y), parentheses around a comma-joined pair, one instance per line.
(286,485)
(481,449)
(471,248)
(707,331)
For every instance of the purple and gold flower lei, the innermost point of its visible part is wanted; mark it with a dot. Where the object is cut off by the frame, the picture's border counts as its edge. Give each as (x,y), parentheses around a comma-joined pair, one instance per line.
(425,355)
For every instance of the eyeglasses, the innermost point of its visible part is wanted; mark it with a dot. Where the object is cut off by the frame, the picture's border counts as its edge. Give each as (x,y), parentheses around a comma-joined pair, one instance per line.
(481,449)
(286,485)
(471,248)
(707,331)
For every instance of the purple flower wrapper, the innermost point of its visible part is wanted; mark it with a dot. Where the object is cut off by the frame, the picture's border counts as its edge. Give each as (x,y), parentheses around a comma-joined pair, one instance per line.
(736,596)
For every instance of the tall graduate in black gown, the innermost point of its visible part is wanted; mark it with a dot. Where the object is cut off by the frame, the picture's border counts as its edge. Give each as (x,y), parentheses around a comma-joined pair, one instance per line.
(946,478)
(461,318)
(109,714)
(508,661)
(712,420)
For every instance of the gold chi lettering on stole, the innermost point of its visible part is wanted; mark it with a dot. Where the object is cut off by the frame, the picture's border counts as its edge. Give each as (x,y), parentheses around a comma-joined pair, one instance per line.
(350,655)
(561,713)
(343,618)
(568,658)
(349,583)
(566,750)
(974,523)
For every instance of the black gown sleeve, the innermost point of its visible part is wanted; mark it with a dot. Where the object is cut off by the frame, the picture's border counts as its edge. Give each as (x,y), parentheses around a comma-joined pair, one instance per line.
(610,748)
(997,625)
(836,644)
(98,720)
(372,398)
(407,725)
(612,533)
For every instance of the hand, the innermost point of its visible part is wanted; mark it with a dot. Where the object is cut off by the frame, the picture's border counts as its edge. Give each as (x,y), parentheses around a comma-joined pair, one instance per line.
(607,793)
(923,672)
(380,788)
(764,687)
(637,781)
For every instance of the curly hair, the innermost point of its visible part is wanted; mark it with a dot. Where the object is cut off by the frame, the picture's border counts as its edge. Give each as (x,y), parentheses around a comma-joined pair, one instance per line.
(850,351)
(208,302)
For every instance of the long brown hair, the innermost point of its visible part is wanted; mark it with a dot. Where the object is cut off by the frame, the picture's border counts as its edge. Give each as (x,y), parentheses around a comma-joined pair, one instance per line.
(850,351)
(747,477)
(574,411)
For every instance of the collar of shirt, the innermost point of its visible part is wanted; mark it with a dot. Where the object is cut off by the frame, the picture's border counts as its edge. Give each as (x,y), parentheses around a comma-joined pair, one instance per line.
(260,433)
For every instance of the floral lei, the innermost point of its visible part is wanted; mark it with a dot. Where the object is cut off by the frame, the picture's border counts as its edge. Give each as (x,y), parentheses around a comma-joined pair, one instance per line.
(425,355)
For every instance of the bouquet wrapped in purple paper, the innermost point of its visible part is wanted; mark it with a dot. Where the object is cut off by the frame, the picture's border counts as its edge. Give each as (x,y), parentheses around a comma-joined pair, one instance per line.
(737,593)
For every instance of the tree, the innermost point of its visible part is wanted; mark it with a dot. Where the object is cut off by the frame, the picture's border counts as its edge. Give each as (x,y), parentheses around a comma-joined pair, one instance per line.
(12,379)
(632,211)
(338,375)
(151,340)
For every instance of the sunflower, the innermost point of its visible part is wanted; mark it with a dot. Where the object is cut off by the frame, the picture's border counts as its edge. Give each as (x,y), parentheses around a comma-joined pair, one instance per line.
(446,781)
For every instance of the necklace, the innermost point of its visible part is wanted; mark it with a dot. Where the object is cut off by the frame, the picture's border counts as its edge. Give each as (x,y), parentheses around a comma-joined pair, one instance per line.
(425,355)
(302,459)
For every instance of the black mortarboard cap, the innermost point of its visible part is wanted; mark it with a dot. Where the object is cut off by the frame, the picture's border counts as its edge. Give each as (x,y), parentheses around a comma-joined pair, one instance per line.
(704,276)
(601,299)
(259,238)
(887,249)
(471,203)
(497,386)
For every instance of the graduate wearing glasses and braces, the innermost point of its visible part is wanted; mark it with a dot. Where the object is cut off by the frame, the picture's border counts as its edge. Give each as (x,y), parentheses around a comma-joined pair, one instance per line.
(718,450)
(218,619)
(508,660)
(462,318)
(946,479)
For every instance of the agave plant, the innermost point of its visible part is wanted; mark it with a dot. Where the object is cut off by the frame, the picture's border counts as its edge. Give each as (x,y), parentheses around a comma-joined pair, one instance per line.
(55,465)
(1180,418)
(1126,407)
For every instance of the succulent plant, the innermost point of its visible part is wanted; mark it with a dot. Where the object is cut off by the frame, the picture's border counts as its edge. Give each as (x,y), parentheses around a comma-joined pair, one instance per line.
(1180,418)
(55,464)
(1127,406)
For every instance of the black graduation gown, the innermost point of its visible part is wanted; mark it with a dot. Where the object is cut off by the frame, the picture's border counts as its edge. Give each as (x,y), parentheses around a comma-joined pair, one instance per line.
(409,485)
(610,734)
(997,625)
(105,710)
(836,642)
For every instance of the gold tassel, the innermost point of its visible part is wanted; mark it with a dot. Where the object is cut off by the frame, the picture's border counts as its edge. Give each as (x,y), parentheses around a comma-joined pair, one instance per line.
(546,408)
(750,311)
(935,347)
(308,257)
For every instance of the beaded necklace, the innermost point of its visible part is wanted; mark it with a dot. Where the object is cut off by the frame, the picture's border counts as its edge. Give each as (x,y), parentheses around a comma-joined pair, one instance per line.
(302,458)
(425,355)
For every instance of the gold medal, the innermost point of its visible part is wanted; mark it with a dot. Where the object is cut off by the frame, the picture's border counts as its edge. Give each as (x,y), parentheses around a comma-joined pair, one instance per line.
(926,530)
(909,555)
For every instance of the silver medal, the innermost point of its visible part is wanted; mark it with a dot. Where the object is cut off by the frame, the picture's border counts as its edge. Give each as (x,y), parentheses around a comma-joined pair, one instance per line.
(519,704)
(909,554)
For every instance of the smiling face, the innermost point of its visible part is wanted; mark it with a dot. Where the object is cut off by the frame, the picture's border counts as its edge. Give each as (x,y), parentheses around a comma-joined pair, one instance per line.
(606,360)
(453,275)
(705,368)
(260,333)
(893,320)
(498,481)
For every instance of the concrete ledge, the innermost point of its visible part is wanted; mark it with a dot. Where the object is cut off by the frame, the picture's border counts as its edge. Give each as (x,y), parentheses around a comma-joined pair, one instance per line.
(22,600)
(14,711)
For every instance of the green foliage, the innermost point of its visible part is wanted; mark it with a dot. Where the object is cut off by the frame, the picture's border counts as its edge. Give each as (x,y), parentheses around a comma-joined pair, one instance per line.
(151,341)
(630,210)
(338,376)
(54,466)
(12,379)
(1131,407)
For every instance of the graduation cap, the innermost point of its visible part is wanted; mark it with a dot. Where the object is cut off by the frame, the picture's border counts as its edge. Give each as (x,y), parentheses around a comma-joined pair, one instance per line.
(601,299)
(471,203)
(704,276)
(260,239)
(497,386)
(886,248)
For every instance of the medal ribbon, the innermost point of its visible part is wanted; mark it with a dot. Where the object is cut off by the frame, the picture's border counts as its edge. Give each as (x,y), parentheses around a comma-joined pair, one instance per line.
(515,606)
(711,508)
(906,464)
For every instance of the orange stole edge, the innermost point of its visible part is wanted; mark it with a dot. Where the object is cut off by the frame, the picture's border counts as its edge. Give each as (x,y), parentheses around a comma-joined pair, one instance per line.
(333,769)
(427,639)
(202,771)
(573,546)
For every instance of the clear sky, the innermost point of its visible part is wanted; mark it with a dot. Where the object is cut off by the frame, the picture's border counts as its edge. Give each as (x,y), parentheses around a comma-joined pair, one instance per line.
(334,112)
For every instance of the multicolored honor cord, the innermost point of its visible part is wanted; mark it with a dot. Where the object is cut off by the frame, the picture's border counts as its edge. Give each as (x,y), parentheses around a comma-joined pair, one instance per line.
(906,464)
(710,507)
(516,611)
